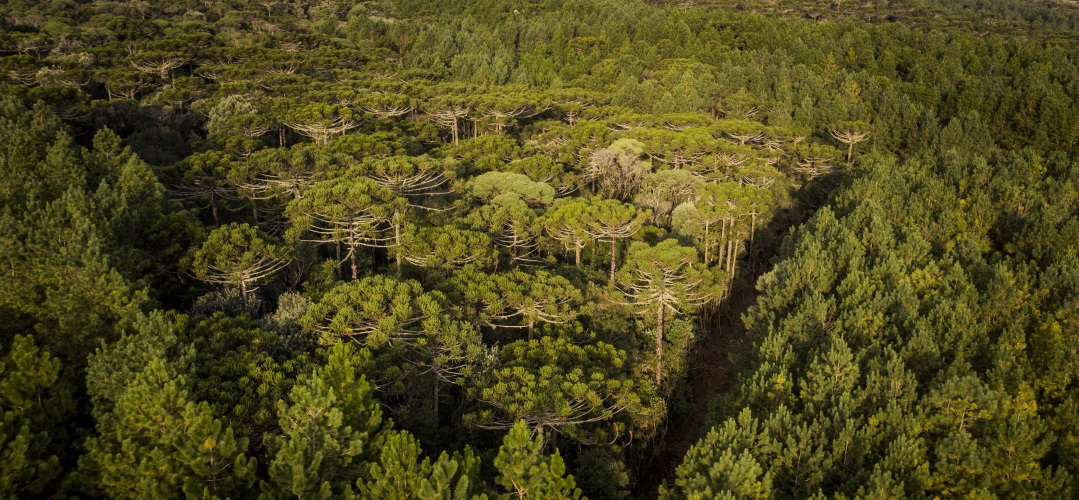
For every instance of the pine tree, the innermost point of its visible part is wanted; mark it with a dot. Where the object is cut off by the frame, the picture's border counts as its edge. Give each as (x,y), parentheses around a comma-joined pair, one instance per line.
(152,440)
(400,473)
(331,429)
(525,472)
(34,403)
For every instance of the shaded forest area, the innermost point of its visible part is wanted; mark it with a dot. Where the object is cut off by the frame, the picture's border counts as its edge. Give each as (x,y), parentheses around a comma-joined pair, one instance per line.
(447,249)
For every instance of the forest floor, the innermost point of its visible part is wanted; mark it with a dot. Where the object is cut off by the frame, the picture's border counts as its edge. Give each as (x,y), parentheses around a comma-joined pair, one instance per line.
(712,370)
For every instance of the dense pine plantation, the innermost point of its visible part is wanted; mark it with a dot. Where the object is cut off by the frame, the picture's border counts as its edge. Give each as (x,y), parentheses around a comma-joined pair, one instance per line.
(467,249)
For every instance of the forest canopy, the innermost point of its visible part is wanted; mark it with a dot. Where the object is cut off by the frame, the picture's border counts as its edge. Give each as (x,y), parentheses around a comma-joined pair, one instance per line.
(558,249)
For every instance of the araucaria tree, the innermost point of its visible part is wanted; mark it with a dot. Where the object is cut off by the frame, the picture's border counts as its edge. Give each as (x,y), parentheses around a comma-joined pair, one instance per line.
(355,212)
(372,311)
(239,255)
(613,221)
(662,281)
(850,133)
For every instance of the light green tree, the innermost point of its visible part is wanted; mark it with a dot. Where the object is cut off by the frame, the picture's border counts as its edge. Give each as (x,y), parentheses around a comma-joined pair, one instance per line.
(372,311)
(355,212)
(614,221)
(525,472)
(663,280)
(238,255)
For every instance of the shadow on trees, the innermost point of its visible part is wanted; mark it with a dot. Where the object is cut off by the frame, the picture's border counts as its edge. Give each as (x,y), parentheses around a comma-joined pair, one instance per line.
(720,350)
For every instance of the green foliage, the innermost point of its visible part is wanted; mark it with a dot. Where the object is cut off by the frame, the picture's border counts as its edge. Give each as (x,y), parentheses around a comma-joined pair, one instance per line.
(517,299)
(355,212)
(495,186)
(525,472)
(893,359)
(34,402)
(241,369)
(552,384)
(546,209)
(665,278)
(76,222)
(373,311)
(331,428)
(400,474)
(152,437)
(444,247)
(567,222)
(238,255)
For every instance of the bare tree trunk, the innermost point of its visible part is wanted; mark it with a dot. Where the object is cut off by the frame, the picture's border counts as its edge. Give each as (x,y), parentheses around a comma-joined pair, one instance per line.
(213,209)
(732,247)
(352,251)
(614,257)
(436,398)
(531,327)
(513,249)
(455,131)
(659,344)
(721,260)
(397,242)
(734,264)
(243,291)
(752,230)
(706,243)
(577,253)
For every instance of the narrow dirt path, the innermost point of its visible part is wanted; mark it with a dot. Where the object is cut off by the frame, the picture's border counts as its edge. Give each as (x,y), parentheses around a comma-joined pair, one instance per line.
(712,371)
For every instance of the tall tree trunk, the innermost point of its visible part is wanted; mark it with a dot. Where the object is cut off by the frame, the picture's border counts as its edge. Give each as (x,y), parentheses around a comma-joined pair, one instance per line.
(752,230)
(397,243)
(513,249)
(243,291)
(734,263)
(213,208)
(531,327)
(352,251)
(614,257)
(455,131)
(436,399)
(721,258)
(731,248)
(659,344)
(707,243)
(577,253)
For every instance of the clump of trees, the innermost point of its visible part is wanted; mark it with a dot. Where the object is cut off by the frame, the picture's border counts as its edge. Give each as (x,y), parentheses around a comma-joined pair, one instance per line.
(913,329)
